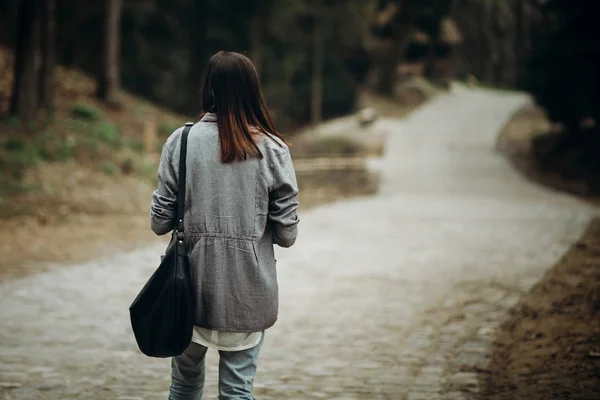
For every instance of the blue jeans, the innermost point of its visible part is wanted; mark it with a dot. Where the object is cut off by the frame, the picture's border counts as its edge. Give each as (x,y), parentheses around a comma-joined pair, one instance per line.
(236,373)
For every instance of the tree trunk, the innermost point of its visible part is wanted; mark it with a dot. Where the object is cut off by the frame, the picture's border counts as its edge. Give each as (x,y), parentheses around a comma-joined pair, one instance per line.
(442,9)
(387,78)
(520,41)
(48,51)
(257,33)
(317,72)
(402,25)
(487,35)
(199,54)
(431,72)
(24,102)
(110,82)
(498,68)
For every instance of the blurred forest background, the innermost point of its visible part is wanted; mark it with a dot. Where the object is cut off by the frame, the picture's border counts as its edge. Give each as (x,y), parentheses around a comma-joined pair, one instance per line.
(99,85)
(158,49)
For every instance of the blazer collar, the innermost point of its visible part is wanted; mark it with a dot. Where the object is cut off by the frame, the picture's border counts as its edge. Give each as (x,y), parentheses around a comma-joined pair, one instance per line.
(209,117)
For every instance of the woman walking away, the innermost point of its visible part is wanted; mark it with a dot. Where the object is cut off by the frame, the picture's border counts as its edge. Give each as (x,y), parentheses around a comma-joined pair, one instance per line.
(240,200)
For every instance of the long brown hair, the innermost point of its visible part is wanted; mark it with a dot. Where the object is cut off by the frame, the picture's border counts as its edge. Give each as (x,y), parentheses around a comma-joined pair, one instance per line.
(231,90)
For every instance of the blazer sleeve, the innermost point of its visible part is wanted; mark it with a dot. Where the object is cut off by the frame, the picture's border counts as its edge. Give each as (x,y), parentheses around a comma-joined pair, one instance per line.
(283,201)
(163,207)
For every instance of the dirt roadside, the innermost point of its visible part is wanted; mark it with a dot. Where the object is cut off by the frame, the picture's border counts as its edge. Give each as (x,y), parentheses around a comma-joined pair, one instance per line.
(549,347)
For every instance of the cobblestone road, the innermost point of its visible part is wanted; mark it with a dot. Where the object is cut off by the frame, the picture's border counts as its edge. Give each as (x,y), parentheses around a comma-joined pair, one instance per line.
(391,297)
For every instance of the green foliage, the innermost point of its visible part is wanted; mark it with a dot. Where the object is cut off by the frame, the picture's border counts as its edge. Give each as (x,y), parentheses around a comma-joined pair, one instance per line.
(340,91)
(564,71)
(107,132)
(16,156)
(165,129)
(20,153)
(287,63)
(147,170)
(10,122)
(132,144)
(86,112)
(109,167)
(92,146)
(79,126)
(53,148)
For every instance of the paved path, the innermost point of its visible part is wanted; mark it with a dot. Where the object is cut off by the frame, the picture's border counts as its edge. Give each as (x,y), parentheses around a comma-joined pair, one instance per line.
(391,297)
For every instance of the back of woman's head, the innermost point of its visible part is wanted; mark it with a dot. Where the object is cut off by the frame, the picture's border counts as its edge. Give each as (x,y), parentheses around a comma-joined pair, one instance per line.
(231,90)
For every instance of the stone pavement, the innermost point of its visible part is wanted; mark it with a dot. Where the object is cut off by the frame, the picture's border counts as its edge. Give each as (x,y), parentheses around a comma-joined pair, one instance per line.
(391,297)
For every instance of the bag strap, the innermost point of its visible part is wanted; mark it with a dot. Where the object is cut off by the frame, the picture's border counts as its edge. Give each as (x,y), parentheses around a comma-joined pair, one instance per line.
(182,172)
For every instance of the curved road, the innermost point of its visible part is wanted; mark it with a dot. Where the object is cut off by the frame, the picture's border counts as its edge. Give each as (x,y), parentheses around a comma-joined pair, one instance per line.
(390,297)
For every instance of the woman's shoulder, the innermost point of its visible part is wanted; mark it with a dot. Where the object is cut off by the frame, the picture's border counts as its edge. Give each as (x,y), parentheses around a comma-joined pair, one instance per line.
(172,142)
(175,137)
(272,145)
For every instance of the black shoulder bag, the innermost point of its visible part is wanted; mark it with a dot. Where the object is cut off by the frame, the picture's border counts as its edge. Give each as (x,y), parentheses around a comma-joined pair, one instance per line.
(163,313)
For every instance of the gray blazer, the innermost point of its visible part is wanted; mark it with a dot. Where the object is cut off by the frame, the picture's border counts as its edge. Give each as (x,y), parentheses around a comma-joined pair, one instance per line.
(234,213)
